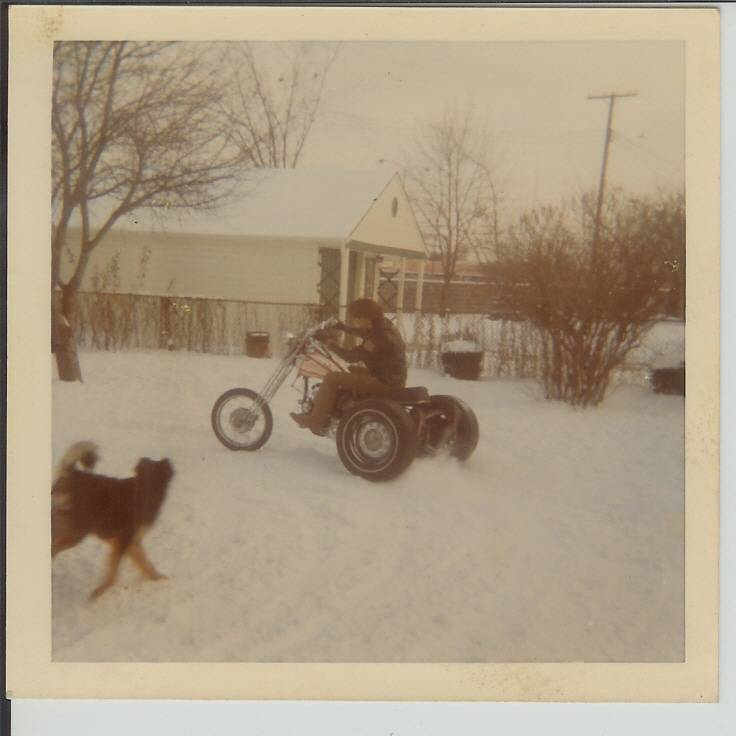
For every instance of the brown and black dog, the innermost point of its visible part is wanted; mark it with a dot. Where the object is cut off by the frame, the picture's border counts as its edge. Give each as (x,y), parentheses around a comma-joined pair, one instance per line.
(117,510)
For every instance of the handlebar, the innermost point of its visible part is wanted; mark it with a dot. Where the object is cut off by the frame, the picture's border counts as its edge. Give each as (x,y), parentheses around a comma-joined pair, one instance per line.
(310,333)
(324,325)
(321,327)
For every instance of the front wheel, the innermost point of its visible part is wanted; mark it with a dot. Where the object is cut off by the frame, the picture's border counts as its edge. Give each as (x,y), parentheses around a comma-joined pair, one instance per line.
(376,439)
(242,420)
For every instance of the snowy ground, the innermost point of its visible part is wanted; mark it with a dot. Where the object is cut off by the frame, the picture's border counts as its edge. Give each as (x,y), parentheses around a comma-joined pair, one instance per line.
(561,540)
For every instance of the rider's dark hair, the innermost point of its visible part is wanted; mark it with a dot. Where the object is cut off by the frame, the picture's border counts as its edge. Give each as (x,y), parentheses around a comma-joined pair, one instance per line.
(366,309)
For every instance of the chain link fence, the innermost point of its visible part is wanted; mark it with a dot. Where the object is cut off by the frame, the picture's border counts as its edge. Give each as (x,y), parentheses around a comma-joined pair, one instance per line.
(140,322)
(511,349)
(104,321)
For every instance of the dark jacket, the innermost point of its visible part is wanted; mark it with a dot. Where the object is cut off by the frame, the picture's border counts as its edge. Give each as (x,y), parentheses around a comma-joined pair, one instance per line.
(382,350)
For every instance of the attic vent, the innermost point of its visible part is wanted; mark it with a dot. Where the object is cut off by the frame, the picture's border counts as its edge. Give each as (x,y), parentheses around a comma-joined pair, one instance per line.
(394,206)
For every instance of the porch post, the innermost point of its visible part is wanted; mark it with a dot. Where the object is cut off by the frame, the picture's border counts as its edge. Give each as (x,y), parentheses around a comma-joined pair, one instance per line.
(376,277)
(343,297)
(420,287)
(360,276)
(402,281)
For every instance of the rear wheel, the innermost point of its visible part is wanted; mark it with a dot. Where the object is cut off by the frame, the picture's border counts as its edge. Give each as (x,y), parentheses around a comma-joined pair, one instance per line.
(376,439)
(454,429)
(242,420)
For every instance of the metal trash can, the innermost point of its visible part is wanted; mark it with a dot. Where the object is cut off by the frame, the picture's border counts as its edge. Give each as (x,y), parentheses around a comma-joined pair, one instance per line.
(257,344)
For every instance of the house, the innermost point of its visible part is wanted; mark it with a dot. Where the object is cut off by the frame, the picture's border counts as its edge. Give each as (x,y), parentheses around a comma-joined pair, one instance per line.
(472,289)
(290,236)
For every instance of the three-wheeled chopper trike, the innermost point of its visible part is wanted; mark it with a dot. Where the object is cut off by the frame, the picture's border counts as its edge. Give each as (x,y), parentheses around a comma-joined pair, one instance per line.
(378,436)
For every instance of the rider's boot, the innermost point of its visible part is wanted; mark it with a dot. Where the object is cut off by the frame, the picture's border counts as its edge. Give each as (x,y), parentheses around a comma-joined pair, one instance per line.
(317,419)
(309,421)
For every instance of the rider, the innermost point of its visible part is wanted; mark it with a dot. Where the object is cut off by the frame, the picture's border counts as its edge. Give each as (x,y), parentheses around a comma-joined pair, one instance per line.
(382,351)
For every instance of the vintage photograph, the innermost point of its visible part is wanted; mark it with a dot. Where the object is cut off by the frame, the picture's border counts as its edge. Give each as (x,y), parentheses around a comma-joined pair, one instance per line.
(368,351)
(363,354)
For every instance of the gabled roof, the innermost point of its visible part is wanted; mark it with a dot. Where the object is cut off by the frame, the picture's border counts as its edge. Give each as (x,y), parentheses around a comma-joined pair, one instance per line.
(325,204)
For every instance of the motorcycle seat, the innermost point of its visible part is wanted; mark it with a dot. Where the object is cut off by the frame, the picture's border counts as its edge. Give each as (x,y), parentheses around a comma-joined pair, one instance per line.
(407,395)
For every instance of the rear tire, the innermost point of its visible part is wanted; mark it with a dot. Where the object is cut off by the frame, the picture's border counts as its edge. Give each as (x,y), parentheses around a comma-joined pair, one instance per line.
(376,439)
(242,420)
(466,434)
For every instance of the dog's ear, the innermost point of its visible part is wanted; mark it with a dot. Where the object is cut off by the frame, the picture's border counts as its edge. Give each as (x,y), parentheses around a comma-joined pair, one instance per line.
(166,469)
(162,470)
(143,466)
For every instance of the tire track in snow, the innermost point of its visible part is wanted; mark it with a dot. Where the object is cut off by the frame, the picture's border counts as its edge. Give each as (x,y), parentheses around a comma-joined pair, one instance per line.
(414,559)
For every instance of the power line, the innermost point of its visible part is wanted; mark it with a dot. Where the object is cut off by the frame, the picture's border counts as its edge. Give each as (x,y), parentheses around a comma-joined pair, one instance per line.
(665,164)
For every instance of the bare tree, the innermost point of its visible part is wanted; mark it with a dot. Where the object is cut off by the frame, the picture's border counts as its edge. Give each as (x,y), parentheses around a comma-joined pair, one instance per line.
(276,96)
(592,309)
(134,125)
(452,186)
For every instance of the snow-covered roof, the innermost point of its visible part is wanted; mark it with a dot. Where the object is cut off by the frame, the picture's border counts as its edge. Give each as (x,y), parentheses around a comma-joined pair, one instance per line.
(300,203)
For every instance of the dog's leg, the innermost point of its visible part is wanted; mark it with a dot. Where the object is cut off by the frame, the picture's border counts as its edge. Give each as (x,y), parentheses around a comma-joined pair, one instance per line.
(64,538)
(139,556)
(59,545)
(117,550)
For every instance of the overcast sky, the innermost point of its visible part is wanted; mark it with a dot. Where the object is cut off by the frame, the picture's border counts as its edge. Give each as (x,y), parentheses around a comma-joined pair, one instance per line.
(533,98)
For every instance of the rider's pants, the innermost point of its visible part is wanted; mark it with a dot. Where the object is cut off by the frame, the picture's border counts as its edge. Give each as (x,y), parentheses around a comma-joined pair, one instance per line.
(359,380)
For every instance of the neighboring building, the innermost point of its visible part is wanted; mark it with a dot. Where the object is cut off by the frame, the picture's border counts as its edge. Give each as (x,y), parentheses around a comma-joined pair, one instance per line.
(472,290)
(293,236)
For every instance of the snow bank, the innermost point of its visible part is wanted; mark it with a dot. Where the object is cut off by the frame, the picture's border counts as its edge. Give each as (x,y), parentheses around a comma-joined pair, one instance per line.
(662,347)
(561,539)
(460,346)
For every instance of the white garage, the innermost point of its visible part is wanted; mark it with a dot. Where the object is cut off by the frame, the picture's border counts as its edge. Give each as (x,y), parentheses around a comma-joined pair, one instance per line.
(290,236)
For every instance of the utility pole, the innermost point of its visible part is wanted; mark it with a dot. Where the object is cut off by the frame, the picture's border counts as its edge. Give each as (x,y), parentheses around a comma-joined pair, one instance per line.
(612,97)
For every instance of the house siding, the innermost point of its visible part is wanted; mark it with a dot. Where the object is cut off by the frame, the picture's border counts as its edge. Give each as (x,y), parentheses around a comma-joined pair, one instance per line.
(217,266)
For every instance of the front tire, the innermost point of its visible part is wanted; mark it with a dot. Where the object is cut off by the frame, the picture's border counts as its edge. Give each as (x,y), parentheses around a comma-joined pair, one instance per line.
(242,420)
(376,439)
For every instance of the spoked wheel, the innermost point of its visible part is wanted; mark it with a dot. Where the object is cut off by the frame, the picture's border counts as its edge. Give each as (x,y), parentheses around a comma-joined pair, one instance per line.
(242,420)
(376,439)
(453,429)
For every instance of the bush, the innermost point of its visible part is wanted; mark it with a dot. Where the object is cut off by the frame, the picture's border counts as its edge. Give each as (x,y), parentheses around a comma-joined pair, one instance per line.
(592,306)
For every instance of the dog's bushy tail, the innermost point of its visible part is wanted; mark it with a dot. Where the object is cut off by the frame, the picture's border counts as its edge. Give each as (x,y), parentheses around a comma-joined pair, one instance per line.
(84,453)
